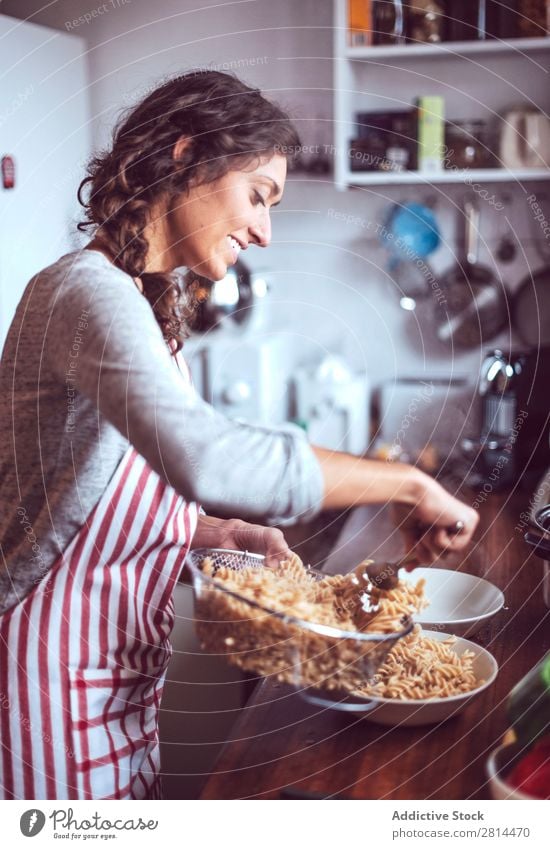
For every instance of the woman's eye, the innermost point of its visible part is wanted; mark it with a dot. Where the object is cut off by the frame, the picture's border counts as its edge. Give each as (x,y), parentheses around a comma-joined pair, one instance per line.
(258,198)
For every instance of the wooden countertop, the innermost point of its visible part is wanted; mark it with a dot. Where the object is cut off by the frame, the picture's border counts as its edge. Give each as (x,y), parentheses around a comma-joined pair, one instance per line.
(280,741)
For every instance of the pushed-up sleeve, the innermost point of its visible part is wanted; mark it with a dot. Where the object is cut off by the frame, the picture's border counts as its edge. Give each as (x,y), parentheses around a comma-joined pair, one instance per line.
(122,364)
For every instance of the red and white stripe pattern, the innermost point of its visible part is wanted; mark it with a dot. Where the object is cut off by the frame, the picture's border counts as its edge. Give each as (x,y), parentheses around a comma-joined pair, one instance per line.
(84,655)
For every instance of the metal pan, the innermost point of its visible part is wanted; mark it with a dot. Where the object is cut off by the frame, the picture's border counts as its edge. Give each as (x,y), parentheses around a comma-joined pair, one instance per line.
(531,308)
(474,309)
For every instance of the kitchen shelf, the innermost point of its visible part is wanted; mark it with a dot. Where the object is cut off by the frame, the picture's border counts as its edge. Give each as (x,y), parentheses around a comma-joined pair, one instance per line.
(480,175)
(479,80)
(446,49)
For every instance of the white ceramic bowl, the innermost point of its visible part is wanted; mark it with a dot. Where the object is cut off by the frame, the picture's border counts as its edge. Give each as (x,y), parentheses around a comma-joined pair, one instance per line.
(459,603)
(498,763)
(432,711)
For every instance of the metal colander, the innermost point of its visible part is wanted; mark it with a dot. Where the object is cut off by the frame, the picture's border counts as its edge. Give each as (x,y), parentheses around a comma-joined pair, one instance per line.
(326,664)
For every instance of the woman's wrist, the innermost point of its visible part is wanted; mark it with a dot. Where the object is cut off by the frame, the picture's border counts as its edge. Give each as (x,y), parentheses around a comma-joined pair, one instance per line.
(414,486)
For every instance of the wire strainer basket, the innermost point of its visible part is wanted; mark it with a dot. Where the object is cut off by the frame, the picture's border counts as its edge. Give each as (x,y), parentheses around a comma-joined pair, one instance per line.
(325,663)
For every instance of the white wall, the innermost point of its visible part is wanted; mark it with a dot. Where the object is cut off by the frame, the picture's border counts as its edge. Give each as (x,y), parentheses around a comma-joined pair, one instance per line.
(44,126)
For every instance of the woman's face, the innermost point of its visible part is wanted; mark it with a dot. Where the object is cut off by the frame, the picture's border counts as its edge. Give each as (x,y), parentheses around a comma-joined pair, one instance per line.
(206,228)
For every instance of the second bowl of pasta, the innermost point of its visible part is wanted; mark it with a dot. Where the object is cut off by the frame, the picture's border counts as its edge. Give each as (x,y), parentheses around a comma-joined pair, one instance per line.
(428,678)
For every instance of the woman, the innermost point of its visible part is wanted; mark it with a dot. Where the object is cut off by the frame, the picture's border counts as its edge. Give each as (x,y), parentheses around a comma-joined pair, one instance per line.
(109,451)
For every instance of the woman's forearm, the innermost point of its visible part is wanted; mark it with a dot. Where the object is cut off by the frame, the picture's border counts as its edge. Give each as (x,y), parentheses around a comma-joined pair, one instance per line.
(352,480)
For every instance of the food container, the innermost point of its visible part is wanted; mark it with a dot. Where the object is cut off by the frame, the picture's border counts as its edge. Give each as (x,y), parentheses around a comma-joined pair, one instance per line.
(459,603)
(414,712)
(325,664)
(499,764)
(468,145)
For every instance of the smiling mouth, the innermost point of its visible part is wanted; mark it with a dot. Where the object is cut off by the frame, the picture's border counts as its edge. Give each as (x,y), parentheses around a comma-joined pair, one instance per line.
(235,246)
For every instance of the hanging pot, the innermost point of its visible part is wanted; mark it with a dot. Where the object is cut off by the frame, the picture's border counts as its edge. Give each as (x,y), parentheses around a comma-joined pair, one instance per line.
(474,309)
(230,299)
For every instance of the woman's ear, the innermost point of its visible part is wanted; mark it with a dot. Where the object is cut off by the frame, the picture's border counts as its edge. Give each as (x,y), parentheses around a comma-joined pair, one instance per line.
(180,147)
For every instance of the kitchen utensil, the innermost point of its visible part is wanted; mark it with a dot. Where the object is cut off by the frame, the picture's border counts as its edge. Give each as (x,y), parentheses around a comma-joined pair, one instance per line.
(323,662)
(514,415)
(474,308)
(506,249)
(531,308)
(386,575)
(459,603)
(413,712)
(499,764)
(525,139)
(230,298)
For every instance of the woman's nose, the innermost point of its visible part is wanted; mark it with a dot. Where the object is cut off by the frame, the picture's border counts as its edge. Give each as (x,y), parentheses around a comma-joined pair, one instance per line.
(261,230)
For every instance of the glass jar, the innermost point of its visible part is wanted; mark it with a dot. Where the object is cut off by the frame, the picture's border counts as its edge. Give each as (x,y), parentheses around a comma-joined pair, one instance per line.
(424,22)
(468,145)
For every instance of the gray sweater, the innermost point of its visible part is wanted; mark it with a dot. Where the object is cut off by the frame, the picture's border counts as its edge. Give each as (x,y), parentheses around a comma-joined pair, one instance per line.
(84,373)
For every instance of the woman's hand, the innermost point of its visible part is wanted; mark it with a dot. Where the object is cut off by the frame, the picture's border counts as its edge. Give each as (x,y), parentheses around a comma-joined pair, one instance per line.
(241,536)
(429,524)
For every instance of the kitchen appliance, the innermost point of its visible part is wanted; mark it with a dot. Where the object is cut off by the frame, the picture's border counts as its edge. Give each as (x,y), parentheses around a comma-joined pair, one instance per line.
(241,365)
(244,375)
(525,139)
(332,404)
(474,308)
(422,419)
(515,416)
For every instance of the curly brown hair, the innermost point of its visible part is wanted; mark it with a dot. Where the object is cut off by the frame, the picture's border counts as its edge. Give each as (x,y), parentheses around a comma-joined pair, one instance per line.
(228,124)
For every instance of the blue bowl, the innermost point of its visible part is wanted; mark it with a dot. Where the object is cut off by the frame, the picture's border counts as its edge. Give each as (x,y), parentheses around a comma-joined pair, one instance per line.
(411,231)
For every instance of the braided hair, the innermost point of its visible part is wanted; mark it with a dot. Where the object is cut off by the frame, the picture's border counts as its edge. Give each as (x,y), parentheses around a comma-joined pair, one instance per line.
(228,125)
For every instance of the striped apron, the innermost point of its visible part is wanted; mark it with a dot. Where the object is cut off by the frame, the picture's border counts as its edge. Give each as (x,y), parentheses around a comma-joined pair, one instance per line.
(83,657)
